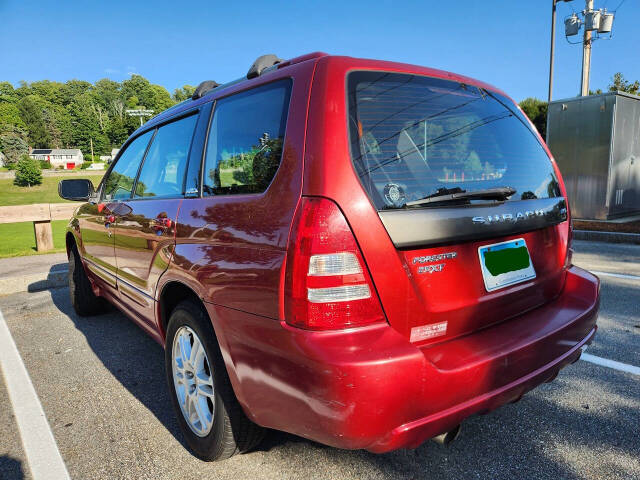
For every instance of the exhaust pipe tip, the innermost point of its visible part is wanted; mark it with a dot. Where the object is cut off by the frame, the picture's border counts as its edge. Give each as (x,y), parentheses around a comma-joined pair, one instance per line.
(448,437)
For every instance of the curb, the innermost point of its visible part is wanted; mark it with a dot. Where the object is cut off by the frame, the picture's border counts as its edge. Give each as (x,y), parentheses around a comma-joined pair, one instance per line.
(33,282)
(610,237)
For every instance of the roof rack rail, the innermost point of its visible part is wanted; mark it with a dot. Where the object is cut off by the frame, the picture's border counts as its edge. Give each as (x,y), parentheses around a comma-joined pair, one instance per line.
(261,64)
(203,88)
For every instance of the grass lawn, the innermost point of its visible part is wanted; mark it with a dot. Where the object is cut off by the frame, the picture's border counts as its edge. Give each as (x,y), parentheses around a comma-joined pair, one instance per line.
(17,239)
(231,176)
(11,194)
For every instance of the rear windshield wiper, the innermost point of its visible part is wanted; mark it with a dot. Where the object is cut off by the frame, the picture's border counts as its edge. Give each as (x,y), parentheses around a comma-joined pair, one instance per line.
(455,194)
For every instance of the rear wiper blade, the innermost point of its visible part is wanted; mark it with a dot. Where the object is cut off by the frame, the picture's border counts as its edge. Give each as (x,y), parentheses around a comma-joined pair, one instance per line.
(453,195)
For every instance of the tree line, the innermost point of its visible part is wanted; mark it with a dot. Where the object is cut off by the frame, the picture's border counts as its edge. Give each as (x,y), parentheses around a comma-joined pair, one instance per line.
(77,114)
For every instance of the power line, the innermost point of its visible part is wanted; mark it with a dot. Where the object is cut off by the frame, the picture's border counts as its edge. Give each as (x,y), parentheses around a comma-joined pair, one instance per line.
(619,5)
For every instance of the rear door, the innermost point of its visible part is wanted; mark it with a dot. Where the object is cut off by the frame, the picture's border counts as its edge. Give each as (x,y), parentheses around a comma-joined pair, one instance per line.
(97,221)
(145,229)
(232,241)
(415,145)
(419,145)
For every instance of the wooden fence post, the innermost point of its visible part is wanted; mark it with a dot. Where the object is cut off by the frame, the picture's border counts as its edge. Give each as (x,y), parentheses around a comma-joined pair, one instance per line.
(44,235)
(41,215)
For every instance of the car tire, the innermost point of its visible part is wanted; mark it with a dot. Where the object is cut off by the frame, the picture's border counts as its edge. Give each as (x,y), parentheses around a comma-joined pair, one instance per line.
(230,431)
(84,301)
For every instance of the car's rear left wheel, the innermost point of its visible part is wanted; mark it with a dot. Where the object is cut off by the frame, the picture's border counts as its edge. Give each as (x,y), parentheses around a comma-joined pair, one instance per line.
(209,415)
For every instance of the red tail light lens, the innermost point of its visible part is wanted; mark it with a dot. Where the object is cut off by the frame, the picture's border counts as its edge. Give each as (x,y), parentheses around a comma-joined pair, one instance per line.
(569,258)
(327,285)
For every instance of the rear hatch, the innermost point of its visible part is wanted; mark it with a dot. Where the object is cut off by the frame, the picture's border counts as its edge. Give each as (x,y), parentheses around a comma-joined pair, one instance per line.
(468,196)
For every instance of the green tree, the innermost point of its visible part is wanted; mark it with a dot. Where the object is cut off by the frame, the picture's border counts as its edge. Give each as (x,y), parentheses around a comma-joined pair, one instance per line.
(536,110)
(139,87)
(73,89)
(118,131)
(106,92)
(619,83)
(133,102)
(10,116)
(73,114)
(85,126)
(28,172)
(7,93)
(32,113)
(13,146)
(161,100)
(266,161)
(60,126)
(52,92)
(184,93)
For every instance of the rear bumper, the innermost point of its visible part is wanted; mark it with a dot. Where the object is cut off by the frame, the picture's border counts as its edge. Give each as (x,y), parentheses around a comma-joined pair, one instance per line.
(370,388)
(412,434)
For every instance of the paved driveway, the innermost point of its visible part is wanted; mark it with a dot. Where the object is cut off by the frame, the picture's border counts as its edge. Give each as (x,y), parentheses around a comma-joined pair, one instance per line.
(101,384)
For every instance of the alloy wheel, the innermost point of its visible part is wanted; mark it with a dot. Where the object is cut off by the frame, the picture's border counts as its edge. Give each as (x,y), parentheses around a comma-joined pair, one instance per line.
(193,381)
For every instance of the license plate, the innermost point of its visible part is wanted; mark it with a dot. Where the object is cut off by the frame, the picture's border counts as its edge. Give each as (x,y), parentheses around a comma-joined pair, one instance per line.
(505,263)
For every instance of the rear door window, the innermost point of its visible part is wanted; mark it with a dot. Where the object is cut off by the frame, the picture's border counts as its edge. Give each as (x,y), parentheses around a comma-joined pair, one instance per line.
(245,141)
(163,170)
(414,136)
(119,183)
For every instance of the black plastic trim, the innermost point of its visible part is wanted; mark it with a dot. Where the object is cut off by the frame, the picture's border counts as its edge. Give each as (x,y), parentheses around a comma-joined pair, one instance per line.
(424,227)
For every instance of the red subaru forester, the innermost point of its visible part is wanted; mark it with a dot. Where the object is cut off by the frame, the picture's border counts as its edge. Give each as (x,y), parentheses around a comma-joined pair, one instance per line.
(362,253)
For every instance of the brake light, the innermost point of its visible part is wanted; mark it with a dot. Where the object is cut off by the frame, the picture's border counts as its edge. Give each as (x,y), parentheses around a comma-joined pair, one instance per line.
(569,258)
(327,285)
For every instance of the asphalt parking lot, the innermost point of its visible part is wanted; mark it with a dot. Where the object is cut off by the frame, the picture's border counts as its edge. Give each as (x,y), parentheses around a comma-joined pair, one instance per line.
(101,385)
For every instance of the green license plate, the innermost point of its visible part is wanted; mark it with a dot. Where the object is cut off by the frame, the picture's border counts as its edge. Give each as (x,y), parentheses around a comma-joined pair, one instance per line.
(505,263)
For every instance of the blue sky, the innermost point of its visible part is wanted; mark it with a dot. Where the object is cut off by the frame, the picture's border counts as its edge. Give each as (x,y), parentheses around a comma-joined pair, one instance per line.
(503,42)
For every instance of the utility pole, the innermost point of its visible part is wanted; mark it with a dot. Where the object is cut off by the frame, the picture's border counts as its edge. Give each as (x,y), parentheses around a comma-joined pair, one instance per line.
(91,140)
(586,54)
(553,44)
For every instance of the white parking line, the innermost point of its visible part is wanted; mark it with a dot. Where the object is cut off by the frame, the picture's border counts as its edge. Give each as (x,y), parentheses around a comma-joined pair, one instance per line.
(616,275)
(37,439)
(605,362)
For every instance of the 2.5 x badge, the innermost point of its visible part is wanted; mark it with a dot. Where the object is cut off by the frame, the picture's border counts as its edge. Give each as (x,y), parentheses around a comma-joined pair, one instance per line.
(433,267)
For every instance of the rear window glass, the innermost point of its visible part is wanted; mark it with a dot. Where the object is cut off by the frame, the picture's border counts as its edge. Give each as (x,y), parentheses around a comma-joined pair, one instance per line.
(414,136)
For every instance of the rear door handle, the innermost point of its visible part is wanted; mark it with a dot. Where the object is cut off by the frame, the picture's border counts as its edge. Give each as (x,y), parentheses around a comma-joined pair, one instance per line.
(162,225)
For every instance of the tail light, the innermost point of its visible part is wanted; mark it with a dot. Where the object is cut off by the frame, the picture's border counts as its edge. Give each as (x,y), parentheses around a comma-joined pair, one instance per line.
(327,285)
(569,258)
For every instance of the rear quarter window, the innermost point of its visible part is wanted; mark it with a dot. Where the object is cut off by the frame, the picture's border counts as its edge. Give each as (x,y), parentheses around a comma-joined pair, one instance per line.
(245,142)
(412,136)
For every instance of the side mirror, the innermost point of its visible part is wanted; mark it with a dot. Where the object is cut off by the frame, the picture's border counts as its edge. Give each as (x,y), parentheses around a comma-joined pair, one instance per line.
(78,189)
